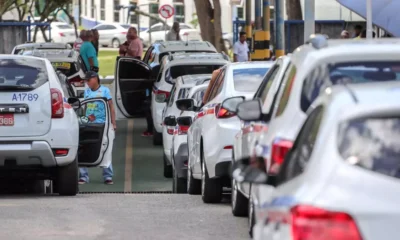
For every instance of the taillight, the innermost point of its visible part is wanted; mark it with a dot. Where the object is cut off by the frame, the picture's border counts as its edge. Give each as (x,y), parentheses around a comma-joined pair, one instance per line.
(182,130)
(280,148)
(123,32)
(170,130)
(313,223)
(221,112)
(60,152)
(57,104)
(77,81)
(62,34)
(161,96)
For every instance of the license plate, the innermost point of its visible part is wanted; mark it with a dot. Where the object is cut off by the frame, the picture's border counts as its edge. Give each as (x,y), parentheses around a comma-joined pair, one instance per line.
(7,119)
(63,65)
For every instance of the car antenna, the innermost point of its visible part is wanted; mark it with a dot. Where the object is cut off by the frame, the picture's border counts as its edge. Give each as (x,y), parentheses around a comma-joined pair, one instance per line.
(351,92)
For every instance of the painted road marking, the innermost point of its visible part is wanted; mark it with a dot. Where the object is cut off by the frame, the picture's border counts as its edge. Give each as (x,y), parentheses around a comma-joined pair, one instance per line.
(128,157)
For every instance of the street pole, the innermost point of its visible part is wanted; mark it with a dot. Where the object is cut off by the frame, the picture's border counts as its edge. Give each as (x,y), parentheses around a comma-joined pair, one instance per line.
(248,25)
(369,19)
(309,19)
(280,29)
(257,8)
(266,28)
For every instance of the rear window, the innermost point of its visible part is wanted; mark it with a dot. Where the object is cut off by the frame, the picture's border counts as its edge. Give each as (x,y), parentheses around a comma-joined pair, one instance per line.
(372,143)
(346,73)
(248,80)
(177,71)
(22,73)
(64,26)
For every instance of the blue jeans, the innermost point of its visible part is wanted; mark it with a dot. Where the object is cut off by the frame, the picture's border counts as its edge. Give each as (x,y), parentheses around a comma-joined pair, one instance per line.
(107,173)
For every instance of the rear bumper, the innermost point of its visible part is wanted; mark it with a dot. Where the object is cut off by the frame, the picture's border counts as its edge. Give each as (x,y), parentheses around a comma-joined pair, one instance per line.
(180,157)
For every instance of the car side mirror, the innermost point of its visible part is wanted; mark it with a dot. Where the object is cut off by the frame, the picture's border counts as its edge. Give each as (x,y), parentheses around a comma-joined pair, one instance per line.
(186,104)
(232,103)
(170,121)
(249,170)
(184,121)
(74,102)
(249,110)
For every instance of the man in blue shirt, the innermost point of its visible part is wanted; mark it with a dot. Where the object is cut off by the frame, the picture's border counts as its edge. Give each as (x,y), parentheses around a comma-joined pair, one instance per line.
(88,52)
(96,113)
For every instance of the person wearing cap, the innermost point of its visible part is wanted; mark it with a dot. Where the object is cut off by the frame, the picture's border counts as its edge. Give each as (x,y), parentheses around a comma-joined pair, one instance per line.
(96,113)
(88,53)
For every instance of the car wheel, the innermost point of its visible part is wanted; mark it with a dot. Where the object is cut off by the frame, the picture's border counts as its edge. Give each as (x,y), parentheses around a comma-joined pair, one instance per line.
(251,217)
(157,138)
(193,185)
(167,168)
(178,184)
(115,43)
(239,202)
(211,189)
(67,179)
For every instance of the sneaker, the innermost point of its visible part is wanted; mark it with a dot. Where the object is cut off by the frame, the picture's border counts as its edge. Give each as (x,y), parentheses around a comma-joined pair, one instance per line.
(147,134)
(81,181)
(109,182)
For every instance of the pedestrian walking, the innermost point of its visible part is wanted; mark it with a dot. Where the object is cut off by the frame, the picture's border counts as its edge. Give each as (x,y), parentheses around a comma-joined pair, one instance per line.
(241,51)
(133,47)
(95,40)
(173,34)
(88,52)
(78,42)
(344,34)
(96,113)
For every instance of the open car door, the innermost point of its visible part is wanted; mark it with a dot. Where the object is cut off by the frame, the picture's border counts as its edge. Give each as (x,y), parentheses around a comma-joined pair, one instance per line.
(132,84)
(93,131)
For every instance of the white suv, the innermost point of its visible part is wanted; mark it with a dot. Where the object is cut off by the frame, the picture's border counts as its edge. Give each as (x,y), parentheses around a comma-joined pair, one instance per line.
(40,133)
(172,67)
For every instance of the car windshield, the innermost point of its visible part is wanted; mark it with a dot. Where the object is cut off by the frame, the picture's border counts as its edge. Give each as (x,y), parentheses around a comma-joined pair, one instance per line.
(177,71)
(346,73)
(126,26)
(64,26)
(19,73)
(248,79)
(372,143)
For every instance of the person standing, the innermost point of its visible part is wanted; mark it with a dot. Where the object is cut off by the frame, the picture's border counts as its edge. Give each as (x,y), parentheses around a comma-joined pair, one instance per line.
(78,42)
(173,34)
(135,47)
(88,53)
(96,113)
(95,40)
(357,31)
(241,51)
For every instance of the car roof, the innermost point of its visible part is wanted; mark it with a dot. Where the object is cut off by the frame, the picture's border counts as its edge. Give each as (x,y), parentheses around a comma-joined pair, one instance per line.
(43,45)
(181,46)
(244,65)
(18,57)
(57,54)
(197,56)
(193,79)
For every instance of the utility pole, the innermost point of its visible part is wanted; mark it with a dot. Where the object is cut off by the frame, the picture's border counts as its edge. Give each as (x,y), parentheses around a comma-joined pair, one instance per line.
(369,19)
(309,19)
(257,8)
(248,26)
(279,29)
(266,28)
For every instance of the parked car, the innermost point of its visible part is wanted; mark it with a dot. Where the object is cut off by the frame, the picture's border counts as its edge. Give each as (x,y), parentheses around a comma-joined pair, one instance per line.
(41,137)
(346,150)
(19,49)
(210,137)
(345,62)
(112,34)
(159,30)
(172,67)
(60,33)
(180,90)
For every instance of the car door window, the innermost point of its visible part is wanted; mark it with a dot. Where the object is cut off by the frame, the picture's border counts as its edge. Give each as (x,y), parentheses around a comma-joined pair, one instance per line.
(217,88)
(146,57)
(89,112)
(101,27)
(267,83)
(111,27)
(288,80)
(156,28)
(297,159)
(172,96)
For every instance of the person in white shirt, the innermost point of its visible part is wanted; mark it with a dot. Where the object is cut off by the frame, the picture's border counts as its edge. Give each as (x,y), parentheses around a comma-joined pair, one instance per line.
(241,51)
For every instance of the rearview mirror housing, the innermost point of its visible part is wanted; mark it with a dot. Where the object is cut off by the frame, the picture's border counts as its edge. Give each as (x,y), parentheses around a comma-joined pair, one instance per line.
(249,110)
(232,103)
(187,104)
(249,170)
(184,121)
(74,102)
(170,121)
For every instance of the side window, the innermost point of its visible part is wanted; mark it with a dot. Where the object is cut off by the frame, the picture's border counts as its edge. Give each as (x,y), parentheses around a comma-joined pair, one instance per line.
(172,96)
(156,28)
(271,78)
(296,161)
(288,81)
(160,73)
(218,86)
(101,27)
(146,57)
(264,82)
(198,96)
(110,27)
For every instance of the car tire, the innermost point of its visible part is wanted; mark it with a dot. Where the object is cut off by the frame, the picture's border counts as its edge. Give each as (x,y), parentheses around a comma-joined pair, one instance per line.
(211,189)
(178,184)
(193,185)
(251,216)
(239,202)
(157,138)
(115,43)
(167,168)
(67,179)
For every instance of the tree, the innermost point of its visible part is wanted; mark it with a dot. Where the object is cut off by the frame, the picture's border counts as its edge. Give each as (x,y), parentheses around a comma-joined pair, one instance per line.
(5,6)
(293,10)
(195,20)
(209,16)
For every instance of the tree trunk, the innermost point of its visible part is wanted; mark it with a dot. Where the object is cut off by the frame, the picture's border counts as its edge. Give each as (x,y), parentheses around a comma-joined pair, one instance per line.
(205,15)
(219,41)
(293,10)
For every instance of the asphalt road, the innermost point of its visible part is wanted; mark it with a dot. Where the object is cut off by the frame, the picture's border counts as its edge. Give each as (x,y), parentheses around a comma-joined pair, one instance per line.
(137,168)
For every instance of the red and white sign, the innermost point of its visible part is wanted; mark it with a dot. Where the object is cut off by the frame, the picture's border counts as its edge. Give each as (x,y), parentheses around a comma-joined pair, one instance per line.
(166,11)
(7,119)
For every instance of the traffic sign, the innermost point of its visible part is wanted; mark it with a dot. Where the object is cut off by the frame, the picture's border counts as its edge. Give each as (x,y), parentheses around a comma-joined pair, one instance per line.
(166,11)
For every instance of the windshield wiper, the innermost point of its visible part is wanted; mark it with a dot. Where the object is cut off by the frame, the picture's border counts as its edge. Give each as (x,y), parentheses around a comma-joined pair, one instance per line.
(16,87)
